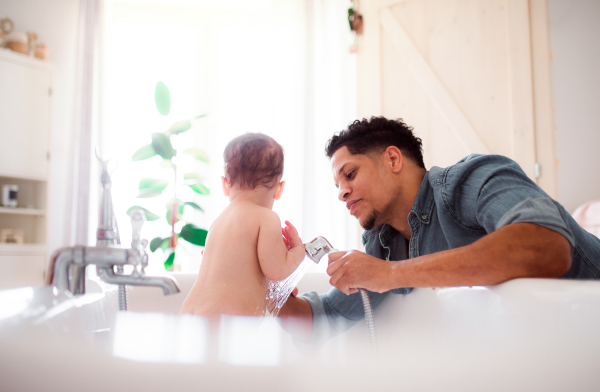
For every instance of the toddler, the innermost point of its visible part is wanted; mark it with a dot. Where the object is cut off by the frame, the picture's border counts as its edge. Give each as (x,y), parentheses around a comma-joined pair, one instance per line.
(245,245)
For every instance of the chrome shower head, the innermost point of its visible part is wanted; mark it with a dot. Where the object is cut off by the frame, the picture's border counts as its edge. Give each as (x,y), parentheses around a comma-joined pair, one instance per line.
(318,248)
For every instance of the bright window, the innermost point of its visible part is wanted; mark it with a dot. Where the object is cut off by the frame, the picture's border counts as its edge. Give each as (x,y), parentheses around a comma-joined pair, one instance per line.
(249,70)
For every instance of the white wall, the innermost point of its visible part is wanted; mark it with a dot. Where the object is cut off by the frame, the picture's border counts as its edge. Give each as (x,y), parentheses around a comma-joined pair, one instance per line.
(56,23)
(575,39)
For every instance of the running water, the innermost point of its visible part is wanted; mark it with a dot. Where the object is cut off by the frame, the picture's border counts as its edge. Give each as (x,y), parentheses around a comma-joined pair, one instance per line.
(279,291)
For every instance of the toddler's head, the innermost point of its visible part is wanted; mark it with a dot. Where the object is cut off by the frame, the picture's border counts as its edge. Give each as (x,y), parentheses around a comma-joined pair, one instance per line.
(253,160)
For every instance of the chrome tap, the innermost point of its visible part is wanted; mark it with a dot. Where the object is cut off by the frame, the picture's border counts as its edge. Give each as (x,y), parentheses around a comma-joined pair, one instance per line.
(138,258)
(106,259)
(66,269)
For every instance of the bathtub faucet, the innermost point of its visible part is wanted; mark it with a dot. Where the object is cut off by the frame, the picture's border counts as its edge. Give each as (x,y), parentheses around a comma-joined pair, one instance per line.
(66,269)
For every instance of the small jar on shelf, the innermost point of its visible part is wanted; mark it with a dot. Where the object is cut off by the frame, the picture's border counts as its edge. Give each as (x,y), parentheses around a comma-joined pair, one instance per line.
(41,51)
(11,236)
(17,42)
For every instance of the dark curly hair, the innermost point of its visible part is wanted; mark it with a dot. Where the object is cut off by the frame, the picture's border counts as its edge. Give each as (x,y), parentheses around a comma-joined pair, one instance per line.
(253,159)
(375,135)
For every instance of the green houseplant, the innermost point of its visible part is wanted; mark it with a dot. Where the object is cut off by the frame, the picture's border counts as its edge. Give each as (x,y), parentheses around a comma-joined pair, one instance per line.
(162,146)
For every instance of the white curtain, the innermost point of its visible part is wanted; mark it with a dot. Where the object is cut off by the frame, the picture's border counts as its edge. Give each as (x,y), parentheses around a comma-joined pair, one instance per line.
(331,105)
(318,98)
(78,226)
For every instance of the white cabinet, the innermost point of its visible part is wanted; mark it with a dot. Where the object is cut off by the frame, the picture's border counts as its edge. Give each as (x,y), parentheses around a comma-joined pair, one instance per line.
(23,266)
(25,93)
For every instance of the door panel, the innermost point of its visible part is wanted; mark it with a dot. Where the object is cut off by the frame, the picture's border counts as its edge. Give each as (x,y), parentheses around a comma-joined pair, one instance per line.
(459,72)
(403,97)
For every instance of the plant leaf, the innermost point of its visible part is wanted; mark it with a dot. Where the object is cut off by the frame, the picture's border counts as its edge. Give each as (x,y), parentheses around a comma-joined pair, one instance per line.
(192,176)
(156,243)
(193,234)
(144,152)
(201,189)
(179,127)
(148,193)
(193,205)
(197,153)
(169,261)
(151,187)
(157,184)
(166,164)
(162,145)
(201,115)
(150,216)
(165,244)
(162,98)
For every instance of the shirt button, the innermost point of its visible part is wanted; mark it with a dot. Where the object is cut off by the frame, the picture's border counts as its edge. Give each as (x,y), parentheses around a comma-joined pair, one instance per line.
(424,217)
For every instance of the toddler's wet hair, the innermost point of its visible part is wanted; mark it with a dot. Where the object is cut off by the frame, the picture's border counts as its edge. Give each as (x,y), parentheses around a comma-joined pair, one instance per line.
(253,159)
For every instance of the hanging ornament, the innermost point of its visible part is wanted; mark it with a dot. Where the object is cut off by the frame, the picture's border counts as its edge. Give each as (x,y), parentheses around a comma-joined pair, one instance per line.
(355,20)
(6,26)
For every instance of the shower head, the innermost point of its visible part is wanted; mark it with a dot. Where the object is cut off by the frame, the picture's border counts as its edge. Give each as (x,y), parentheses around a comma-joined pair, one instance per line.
(318,248)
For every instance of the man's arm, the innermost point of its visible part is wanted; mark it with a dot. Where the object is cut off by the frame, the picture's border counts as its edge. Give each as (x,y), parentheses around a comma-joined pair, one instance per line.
(297,318)
(517,250)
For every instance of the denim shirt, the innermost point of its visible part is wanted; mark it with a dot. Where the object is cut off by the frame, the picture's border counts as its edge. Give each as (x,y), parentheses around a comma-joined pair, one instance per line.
(454,207)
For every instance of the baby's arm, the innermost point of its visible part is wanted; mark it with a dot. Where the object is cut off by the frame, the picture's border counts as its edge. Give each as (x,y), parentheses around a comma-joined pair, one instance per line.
(275,260)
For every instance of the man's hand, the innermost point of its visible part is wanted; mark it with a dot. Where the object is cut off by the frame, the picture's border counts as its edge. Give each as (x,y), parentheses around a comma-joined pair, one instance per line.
(354,270)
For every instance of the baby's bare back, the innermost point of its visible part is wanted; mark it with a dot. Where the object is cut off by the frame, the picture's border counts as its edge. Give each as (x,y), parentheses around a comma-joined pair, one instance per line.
(230,280)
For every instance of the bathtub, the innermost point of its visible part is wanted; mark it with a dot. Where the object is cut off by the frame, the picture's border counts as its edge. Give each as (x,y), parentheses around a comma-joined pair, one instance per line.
(524,335)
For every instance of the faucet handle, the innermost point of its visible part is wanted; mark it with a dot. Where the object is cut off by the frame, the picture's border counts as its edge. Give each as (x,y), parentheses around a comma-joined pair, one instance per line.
(137,221)
(144,244)
(139,257)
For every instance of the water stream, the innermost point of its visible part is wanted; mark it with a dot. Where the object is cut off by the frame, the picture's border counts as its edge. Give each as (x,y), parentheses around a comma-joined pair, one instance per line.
(279,291)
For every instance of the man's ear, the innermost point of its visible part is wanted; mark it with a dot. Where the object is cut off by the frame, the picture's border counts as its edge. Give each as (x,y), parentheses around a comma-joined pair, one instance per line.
(279,190)
(393,158)
(225,184)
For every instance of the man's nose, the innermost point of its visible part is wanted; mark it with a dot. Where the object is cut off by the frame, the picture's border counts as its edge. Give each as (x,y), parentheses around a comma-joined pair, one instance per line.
(343,194)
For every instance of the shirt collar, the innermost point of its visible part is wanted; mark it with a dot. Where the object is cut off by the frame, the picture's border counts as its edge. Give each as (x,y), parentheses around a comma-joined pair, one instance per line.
(424,202)
(422,209)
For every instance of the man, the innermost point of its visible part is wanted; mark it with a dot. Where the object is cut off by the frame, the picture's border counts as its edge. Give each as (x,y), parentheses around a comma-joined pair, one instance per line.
(481,221)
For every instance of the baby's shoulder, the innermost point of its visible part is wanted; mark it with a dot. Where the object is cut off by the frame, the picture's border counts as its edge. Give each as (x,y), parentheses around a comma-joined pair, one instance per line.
(269,218)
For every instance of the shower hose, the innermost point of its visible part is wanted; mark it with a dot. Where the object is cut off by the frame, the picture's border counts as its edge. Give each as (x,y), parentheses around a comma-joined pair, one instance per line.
(364,295)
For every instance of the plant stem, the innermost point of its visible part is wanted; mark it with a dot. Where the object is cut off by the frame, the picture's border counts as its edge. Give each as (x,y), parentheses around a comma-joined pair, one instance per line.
(174,206)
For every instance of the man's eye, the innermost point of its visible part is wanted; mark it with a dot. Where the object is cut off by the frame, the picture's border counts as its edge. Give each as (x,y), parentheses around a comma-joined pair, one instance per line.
(350,174)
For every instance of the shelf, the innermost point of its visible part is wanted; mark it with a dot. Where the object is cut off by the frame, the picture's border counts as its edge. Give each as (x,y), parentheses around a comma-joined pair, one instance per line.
(4,175)
(37,249)
(24,59)
(22,211)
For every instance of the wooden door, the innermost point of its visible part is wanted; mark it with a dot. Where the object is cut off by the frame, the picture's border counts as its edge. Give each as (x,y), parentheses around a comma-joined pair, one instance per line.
(471,76)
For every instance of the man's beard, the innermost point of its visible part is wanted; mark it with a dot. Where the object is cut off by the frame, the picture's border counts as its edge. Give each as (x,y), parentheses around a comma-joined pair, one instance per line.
(370,221)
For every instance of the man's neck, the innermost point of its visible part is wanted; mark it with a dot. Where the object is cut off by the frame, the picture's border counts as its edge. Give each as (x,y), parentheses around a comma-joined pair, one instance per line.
(398,214)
